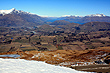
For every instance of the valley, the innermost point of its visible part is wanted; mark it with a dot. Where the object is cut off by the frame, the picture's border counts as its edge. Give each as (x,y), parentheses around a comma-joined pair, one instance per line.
(57,46)
(63,42)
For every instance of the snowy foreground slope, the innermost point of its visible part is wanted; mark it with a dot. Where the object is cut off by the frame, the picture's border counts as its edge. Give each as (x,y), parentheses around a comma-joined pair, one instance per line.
(24,66)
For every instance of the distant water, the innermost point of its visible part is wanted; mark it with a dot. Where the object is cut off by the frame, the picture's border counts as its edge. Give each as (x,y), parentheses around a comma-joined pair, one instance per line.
(79,23)
(11,55)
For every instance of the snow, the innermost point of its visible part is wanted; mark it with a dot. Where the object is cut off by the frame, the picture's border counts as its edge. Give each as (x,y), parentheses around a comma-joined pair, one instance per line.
(66,15)
(38,55)
(6,11)
(71,15)
(76,63)
(96,15)
(24,66)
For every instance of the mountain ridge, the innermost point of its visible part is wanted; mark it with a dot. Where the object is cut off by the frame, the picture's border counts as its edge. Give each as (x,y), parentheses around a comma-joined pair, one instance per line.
(21,18)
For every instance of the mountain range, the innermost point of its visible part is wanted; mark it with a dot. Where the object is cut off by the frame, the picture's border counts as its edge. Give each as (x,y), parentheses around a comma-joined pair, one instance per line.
(85,19)
(20,18)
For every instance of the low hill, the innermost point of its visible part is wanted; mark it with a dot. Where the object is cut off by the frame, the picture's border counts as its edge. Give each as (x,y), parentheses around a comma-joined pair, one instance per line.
(70,27)
(95,26)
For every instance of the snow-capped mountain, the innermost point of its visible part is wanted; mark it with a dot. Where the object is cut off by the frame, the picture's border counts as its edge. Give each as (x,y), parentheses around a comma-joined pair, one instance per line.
(96,15)
(71,16)
(13,11)
(85,19)
(20,18)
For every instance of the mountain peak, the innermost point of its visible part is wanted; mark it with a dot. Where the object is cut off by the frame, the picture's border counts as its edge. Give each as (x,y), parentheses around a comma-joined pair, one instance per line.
(96,15)
(7,11)
(13,9)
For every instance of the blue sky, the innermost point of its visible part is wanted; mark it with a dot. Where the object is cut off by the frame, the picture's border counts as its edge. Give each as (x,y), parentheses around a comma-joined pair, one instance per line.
(58,7)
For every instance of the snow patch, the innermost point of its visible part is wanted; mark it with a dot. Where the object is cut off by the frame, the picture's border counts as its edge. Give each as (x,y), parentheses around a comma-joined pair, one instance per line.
(38,55)
(24,66)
